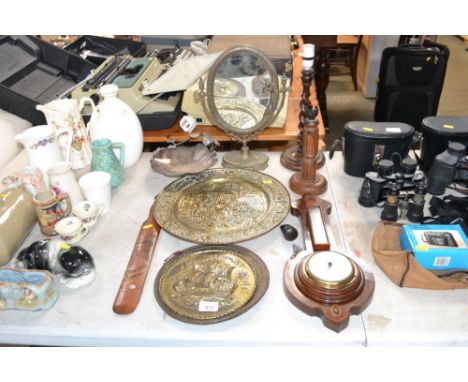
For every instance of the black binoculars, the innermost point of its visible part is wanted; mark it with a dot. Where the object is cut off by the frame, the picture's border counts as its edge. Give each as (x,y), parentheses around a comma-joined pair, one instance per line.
(403,190)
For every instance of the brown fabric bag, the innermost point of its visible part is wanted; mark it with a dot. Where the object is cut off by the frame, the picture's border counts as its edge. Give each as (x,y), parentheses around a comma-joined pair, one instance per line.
(401,266)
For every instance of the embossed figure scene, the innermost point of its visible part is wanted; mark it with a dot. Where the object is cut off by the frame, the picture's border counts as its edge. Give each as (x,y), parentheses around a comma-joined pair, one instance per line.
(227,281)
(223,206)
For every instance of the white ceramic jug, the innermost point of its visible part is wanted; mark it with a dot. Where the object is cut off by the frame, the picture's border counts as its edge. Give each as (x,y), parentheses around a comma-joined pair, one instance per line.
(62,180)
(114,119)
(66,113)
(41,146)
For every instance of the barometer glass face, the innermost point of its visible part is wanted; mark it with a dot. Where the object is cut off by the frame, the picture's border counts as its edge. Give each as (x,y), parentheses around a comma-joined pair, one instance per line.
(329,269)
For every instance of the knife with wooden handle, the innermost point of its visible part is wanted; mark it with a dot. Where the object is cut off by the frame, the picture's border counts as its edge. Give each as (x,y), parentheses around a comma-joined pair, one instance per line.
(134,278)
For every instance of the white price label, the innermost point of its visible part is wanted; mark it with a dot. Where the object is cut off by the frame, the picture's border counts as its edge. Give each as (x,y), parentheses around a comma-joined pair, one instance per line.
(393,130)
(208,306)
(441,261)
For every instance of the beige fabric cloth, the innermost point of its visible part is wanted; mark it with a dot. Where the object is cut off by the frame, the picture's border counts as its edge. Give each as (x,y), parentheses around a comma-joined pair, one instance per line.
(401,266)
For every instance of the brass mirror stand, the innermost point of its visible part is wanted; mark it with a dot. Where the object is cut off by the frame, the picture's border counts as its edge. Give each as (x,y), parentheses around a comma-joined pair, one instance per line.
(245,158)
(308,181)
(244,115)
(292,157)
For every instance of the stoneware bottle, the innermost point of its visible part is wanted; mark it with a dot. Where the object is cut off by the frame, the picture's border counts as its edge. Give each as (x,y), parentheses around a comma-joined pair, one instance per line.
(104,159)
(17,218)
(114,119)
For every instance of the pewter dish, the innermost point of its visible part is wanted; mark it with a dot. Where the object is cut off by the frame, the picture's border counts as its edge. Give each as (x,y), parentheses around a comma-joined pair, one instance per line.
(182,160)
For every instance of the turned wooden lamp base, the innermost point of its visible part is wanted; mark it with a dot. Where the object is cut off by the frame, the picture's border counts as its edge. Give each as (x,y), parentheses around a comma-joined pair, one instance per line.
(300,186)
(292,159)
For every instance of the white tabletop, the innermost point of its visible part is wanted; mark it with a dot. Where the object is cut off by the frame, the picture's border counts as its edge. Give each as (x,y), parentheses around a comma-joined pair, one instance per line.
(85,317)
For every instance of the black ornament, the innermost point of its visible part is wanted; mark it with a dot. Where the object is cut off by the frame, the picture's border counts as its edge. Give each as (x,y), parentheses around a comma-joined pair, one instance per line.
(35,256)
(289,232)
(76,261)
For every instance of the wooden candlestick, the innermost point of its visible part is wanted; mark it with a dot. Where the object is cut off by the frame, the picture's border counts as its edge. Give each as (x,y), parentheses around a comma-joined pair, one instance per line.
(308,181)
(292,157)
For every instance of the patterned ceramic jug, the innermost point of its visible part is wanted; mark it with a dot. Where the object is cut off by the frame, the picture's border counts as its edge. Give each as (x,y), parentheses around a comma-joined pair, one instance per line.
(66,113)
(104,159)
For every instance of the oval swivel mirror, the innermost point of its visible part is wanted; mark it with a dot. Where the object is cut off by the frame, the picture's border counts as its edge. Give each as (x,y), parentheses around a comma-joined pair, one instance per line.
(242,98)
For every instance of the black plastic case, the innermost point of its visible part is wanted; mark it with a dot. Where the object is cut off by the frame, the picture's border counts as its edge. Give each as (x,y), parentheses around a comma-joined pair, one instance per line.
(363,141)
(437,132)
(34,72)
(105,46)
(411,79)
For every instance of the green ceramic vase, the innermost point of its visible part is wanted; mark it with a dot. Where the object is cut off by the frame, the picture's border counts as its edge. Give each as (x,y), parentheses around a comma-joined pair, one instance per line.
(104,159)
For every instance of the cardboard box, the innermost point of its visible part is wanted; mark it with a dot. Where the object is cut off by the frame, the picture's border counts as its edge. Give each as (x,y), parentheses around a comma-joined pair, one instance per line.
(437,247)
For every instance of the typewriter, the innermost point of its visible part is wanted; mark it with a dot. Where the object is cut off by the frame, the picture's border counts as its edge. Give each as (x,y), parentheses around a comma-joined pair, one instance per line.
(130,75)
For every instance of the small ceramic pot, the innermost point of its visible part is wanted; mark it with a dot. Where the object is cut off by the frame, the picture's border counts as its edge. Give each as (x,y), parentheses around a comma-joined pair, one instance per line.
(88,212)
(49,209)
(26,289)
(71,229)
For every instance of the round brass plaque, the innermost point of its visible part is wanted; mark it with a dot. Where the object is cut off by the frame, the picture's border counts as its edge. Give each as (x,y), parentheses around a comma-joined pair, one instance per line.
(222,206)
(208,284)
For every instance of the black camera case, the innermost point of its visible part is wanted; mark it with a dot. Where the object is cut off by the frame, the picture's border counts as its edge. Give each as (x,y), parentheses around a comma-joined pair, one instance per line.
(437,132)
(364,141)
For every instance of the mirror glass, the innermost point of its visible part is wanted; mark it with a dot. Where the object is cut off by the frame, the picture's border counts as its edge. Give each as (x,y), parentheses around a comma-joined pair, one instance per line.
(242,90)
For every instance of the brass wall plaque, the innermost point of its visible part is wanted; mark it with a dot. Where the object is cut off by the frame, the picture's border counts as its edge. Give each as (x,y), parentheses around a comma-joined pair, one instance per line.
(207,284)
(222,206)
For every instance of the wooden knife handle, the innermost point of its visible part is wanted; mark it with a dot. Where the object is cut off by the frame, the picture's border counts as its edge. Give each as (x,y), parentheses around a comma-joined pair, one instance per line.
(134,278)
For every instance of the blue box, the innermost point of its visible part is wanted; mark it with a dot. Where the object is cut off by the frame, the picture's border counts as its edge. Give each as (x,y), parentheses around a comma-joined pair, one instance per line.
(437,247)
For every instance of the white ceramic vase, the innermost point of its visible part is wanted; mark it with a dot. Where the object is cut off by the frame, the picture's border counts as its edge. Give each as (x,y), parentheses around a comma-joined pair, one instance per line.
(114,119)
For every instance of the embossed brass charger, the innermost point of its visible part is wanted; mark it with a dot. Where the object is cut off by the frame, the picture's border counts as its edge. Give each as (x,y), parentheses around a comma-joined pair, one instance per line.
(222,206)
(242,97)
(206,284)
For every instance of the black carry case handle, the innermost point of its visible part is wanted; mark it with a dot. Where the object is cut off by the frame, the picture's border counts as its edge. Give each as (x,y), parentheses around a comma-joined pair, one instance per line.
(335,143)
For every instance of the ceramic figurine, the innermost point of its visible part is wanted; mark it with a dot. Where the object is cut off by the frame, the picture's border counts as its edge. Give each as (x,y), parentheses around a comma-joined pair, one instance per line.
(66,113)
(30,177)
(26,289)
(73,265)
(41,146)
(104,159)
(62,179)
(79,267)
(115,120)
